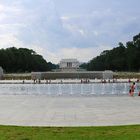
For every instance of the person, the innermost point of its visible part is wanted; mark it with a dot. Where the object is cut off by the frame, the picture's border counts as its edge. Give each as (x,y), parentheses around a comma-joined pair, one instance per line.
(132,89)
(130,92)
(139,93)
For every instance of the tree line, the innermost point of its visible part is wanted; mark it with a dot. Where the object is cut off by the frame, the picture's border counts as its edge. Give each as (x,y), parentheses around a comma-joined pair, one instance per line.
(121,58)
(23,60)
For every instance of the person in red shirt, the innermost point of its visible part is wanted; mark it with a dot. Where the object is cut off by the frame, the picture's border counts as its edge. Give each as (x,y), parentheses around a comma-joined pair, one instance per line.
(132,89)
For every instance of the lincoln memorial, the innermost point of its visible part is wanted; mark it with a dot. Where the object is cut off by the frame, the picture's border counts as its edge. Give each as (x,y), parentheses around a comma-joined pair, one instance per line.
(69,64)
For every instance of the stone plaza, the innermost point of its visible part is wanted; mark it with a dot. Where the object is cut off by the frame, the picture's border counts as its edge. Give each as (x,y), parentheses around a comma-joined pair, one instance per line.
(31,110)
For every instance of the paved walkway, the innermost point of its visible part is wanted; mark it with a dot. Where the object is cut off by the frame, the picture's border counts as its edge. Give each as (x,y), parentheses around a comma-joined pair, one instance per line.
(29,110)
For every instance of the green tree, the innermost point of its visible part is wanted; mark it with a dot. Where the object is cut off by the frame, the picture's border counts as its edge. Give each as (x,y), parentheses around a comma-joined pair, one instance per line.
(23,60)
(121,58)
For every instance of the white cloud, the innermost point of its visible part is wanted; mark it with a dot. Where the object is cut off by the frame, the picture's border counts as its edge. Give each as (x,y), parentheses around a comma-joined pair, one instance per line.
(82,54)
(9,40)
(56,30)
(65,18)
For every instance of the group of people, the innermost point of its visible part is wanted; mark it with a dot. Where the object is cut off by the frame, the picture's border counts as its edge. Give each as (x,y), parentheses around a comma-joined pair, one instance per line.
(132,89)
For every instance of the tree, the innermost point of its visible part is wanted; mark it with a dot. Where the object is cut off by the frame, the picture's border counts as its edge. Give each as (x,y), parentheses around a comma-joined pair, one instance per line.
(22,60)
(121,58)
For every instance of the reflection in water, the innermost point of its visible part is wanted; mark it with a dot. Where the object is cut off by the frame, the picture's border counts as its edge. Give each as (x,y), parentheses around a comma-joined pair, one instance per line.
(67,89)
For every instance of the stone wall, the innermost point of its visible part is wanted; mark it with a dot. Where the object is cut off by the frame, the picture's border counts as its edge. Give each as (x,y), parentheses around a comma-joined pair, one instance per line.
(73,75)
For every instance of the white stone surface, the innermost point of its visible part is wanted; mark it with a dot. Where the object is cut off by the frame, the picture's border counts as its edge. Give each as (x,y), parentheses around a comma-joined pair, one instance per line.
(30,110)
(69,63)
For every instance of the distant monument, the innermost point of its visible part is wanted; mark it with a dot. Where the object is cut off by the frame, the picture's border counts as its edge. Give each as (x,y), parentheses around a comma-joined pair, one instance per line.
(69,69)
(69,64)
(1,73)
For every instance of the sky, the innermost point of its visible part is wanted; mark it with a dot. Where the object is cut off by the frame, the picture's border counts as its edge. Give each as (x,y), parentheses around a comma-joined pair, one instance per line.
(60,29)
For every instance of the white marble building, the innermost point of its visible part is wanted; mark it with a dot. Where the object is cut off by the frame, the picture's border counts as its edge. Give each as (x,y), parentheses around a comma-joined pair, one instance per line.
(69,64)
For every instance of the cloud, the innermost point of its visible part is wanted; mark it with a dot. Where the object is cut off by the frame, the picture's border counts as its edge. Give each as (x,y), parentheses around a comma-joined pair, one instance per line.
(62,29)
(82,54)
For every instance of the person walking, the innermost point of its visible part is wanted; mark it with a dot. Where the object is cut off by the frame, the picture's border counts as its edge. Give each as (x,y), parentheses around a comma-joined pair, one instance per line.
(132,89)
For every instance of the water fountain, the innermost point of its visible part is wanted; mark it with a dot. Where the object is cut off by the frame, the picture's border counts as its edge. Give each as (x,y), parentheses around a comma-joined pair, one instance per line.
(92,89)
(71,89)
(67,89)
(82,89)
(125,89)
(59,89)
(113,88)
(103,89)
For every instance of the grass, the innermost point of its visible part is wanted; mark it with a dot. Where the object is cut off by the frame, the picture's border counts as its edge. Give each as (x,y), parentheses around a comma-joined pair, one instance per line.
(70,133)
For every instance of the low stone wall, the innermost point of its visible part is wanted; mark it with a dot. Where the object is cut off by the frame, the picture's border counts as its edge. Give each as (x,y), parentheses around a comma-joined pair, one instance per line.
(73,75)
